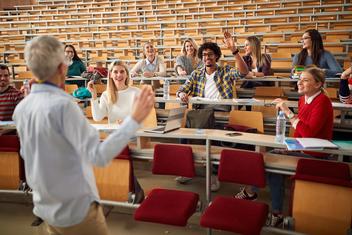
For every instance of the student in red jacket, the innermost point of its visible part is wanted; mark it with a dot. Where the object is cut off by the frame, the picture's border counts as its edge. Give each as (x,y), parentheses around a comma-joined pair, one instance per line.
(314,119)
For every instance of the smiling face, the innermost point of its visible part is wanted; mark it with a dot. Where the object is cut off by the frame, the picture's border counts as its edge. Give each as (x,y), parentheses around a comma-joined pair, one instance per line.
(189,49)
(119,76)
(209,58)
(4,79)
(307,85)
(306,41)
(248,47)
(149,51)
(69,53)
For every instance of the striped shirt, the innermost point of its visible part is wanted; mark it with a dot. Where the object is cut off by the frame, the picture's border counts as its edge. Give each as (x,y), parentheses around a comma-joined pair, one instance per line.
(8,101)
(225,77)
(345,92)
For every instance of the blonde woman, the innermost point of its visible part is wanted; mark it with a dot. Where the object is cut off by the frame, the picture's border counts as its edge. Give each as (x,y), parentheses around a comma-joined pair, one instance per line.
(259,64)
(150,66)
(117,101)
(188,61)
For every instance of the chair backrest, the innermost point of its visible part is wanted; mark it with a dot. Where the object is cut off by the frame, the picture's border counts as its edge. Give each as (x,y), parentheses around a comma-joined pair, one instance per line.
(247,118)
(275,92)
(150,120)
(332,93)
(242,167)
(9,143)
(100,88)
(70,88)
(170,159)
(328,172)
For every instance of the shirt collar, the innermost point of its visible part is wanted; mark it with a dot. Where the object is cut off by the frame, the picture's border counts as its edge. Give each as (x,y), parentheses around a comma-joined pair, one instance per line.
(44,87)
(147,62)
(309,100)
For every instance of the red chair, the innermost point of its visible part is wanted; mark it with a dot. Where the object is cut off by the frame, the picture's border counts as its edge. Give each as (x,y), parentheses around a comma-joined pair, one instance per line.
(322,197)
(166,206)
(237,215)
(11,164)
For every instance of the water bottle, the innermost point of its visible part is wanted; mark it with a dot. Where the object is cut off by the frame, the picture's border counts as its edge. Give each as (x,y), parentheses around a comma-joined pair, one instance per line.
(280,127)
(166,89)
(26,87)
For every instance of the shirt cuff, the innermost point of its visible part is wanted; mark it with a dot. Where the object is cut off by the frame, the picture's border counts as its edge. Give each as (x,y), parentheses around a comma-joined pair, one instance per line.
(295,122)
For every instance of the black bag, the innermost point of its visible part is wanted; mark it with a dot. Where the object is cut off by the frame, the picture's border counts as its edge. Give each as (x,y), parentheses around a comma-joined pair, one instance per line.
(200,118)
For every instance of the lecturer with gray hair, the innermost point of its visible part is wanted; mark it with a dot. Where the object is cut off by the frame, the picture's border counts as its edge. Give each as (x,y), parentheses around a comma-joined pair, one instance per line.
(59,146)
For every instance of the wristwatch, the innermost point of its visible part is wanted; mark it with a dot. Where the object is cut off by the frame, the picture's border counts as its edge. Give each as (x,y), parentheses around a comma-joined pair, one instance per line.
(290,115)
(235,52)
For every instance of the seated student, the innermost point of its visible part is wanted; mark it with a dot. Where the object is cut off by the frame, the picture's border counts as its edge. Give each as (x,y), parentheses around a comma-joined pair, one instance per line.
(211,80)
(151,66)
(9,96)
(313,52)
(314,119)
(259,64)
(117,101)
(76,66)
(346,86)
(188,61)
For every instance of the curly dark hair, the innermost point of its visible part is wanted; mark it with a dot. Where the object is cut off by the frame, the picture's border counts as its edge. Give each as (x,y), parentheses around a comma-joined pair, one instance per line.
(212,46)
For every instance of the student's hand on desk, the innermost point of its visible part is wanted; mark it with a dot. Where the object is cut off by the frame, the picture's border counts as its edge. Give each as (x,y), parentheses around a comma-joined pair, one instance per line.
(148,74)
(183,73)
(92,89)
(183,96)
(143,104)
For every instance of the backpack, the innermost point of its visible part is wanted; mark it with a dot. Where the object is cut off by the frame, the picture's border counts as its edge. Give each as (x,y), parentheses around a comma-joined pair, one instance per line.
(200,118)
(82,93)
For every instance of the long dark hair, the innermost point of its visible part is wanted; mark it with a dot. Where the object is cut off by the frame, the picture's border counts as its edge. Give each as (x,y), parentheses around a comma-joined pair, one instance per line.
(75,56)
(317,48)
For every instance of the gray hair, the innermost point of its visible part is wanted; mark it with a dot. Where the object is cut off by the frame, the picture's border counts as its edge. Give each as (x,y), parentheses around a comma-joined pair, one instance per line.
(43,55)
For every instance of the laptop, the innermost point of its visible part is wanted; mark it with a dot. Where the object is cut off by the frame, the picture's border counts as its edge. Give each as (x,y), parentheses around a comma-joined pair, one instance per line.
(173,122)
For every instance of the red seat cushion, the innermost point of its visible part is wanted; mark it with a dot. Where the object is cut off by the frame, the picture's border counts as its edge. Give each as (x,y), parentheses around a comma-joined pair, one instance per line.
(235,215)
(166,206)
(9,143)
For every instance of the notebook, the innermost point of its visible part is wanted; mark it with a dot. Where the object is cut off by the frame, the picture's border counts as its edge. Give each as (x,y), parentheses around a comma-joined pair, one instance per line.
(309,144)
(173,122)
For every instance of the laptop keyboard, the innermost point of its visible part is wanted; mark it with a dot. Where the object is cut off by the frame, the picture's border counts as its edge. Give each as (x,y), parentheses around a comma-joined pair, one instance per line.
(159,129)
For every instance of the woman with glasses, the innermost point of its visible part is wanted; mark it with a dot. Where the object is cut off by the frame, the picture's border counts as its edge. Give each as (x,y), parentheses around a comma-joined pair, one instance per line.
(75,65)
(313,52)
(188,61)
(150,66)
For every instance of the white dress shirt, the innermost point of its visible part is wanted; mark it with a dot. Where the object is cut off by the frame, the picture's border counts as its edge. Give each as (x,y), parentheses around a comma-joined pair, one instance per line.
(118,111)
(59,146)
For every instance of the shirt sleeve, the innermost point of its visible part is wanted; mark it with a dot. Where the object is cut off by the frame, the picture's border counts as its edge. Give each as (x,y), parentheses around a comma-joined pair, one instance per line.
(162,68)
(318,119)
(344,92)
(100,107)
(187,86)
(333,66)
(85,138)
(179,63)
(82,67)
(137,67)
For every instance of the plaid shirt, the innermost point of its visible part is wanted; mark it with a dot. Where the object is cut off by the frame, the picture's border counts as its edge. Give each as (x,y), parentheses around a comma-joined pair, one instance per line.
(224,79)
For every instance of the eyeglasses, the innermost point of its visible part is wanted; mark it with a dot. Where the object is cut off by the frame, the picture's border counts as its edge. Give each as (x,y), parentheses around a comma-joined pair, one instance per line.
(305,38)
(210,55)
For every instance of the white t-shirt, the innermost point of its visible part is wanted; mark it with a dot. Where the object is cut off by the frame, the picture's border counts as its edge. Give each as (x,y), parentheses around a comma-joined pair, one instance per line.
(118,111)
(210,89)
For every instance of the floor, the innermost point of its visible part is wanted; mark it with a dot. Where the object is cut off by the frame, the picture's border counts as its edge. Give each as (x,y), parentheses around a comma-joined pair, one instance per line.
(16,209)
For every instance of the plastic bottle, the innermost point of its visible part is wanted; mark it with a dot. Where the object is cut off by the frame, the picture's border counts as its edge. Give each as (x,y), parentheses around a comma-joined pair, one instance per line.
(280,127)
(26,87)
(166,89)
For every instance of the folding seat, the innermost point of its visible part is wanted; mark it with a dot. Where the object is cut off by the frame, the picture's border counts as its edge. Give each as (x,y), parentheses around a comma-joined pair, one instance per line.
(168,206)
(232,214)
(322,197)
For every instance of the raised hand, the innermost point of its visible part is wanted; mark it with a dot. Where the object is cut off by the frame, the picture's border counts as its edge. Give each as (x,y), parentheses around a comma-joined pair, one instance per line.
(92,89)
(229,42)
